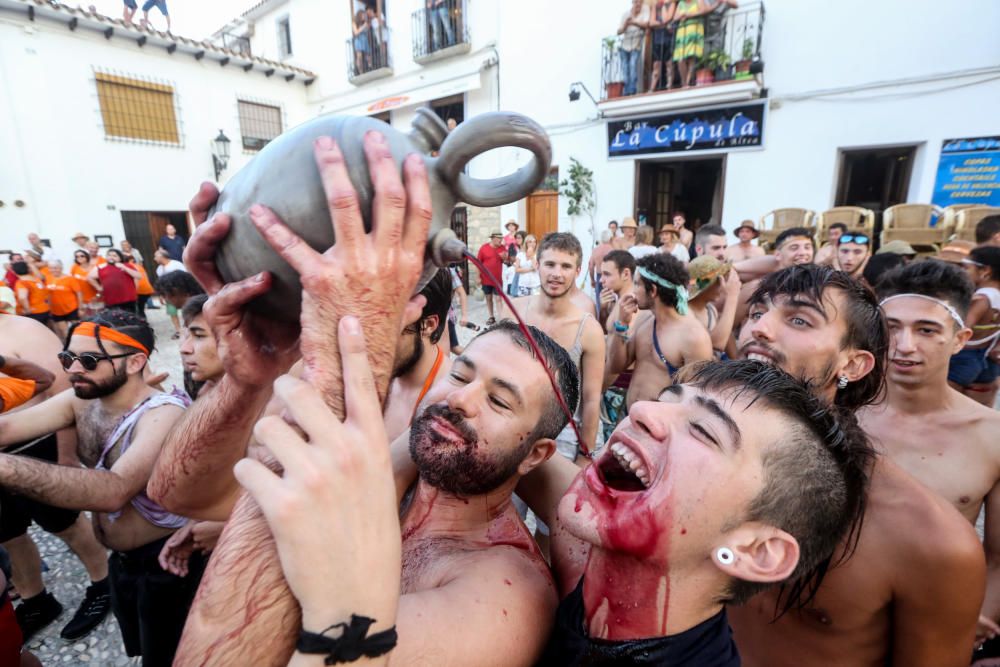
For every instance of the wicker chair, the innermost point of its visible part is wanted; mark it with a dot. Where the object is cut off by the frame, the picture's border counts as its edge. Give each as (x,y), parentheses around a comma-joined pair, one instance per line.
(912,223)
(856,218)
(968,217)
(782,219)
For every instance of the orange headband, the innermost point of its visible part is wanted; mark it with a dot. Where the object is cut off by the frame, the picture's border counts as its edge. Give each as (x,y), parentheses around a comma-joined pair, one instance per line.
(90,329)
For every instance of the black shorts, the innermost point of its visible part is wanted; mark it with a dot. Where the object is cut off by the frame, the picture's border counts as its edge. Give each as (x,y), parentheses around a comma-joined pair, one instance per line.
(40,317)
(149,603)
(17,512)
(663,45)
(68,317)
(490,289)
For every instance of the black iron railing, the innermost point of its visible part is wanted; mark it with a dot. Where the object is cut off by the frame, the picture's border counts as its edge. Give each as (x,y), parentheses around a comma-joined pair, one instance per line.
(730,50)
(368,50)
(439,25)
(238,43)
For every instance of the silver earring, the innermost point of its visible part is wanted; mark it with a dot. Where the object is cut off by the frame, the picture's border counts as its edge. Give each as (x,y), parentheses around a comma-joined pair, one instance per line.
(842,382)
(725,555)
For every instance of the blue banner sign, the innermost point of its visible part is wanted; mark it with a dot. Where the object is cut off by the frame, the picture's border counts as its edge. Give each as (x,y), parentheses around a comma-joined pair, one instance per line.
(968,172)
(720,128)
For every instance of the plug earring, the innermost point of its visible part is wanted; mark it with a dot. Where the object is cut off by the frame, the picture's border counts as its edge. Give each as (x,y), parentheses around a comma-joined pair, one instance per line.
(842,382)
(724,555)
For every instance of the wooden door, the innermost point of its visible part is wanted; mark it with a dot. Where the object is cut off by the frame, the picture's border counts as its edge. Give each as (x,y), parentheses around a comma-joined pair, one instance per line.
(543,213)
(460,225)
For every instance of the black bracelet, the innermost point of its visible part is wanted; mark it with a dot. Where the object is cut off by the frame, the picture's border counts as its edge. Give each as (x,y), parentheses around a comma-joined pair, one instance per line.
(351,645)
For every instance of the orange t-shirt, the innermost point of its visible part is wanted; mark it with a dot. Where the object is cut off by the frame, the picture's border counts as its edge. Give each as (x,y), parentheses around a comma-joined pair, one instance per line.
(38,296)
(46,273)
(142,286)
(14,392)
(62,295)
(80,273)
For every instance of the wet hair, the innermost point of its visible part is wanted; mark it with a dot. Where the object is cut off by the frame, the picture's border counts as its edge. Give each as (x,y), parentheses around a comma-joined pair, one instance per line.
(622,259)
(558,361)
(815,478)
(866,327)
(878,265)
(701,237)
(930,277)
(438,295)
(791,233)
(988,256)
(123,321)
(193,307)
(562,241)
(178,283)
(838,225)
(987,228)
(670,269)
(20,268)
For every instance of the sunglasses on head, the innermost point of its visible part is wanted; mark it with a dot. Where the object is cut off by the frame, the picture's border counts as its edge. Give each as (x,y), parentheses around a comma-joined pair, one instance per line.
(88,360)
(853,238)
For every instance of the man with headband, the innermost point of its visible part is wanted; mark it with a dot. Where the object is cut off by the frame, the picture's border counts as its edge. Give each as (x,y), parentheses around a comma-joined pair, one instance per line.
(937,434)
(121,423)
(910,592)
(662,338)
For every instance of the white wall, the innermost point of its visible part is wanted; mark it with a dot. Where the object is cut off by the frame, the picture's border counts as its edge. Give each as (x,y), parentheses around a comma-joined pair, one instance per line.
(55,154)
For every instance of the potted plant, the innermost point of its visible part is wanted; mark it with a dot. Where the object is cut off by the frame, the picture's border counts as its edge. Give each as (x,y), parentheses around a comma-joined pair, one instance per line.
(743,64)
(710,62)
(614,73)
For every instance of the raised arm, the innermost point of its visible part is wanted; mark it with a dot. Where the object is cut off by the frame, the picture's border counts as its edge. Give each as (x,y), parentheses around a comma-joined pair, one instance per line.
(239,620)
(621,346)
(23,369)
(40,419)
(756,267)
(723,331)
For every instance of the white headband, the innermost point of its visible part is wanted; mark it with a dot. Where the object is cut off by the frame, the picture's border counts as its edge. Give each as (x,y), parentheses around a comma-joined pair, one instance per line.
(947,306)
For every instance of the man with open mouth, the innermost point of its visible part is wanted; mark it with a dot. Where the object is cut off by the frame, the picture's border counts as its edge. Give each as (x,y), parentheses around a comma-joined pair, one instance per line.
(910,593)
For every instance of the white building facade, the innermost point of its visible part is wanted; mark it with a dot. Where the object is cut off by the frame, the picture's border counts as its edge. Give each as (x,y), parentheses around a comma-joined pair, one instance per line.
(845,103)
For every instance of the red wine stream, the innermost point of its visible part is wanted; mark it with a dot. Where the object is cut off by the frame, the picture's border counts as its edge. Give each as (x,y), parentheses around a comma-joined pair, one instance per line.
(584,447)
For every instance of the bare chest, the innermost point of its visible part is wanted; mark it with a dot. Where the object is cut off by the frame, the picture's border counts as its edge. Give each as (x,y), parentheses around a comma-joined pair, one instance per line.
(94,427)
(429,562)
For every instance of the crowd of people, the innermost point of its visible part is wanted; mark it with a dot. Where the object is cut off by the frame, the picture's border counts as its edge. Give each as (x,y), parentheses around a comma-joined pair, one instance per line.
(733,458)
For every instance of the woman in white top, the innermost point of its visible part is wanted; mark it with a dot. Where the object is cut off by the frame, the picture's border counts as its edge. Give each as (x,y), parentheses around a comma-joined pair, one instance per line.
(643,243)
(526,266)
(670,243)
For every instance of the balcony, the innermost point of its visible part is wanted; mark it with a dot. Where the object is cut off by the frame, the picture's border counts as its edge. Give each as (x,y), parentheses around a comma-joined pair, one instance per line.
(368,55)
(440,31)
(239,44)
(728,68)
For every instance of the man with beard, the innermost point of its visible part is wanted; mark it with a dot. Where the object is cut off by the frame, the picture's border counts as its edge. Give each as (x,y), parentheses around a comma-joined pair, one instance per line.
(27,340)
(910,592)
(121,423)
(664,336)
(419,360)
(937,434)
(553,312)
(711,241)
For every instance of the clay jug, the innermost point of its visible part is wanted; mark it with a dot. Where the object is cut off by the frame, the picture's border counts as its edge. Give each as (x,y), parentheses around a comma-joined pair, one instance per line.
(284,177)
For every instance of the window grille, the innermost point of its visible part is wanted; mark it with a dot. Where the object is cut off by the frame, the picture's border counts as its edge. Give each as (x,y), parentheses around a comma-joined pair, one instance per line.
(259,123)
(136,109)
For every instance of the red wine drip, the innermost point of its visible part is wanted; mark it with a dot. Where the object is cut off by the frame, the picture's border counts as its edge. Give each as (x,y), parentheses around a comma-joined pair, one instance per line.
(584,447)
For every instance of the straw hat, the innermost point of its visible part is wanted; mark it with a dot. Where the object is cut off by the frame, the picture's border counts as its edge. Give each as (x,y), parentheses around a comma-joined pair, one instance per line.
(512,222)
(628,221)
(897,247)
(746,224)
(79,235)
(955,251)
(705,271)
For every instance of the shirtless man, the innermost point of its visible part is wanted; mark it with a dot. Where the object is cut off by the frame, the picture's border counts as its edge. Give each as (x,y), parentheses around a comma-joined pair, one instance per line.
(792,247)
(746,233)
(827,254)
(617,272)
(467,562)
(911,590)
(559,261)
(664,337)
(853,253)
(419,360)
(23,338)
(680,224)
(711,241)
(627,239)
(940,436)
(121,423)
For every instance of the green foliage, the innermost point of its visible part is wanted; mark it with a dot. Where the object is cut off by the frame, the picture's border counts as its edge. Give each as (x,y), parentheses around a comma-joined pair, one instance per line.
(579,189)
(715,60)
(747,49)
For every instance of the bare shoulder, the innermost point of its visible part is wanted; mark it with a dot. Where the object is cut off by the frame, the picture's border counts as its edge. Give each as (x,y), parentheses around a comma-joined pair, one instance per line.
(160,416)
(24,337)
(505,570)
(520,305)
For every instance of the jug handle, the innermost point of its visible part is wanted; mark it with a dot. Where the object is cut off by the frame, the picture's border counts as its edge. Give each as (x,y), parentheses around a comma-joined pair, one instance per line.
(497,129)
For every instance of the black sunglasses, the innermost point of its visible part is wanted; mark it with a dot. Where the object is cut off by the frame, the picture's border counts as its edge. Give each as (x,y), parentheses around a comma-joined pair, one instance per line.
(88,360)
(853,238)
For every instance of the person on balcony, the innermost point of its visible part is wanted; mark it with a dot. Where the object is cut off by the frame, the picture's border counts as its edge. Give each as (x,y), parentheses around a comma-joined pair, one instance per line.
(689,41)
(362,45)
(376,28)
(664,27)
(715,26)
(440,18)
(633,31)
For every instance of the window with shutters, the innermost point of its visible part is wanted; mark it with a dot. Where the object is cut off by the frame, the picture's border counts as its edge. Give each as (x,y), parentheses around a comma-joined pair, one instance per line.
(259,123)
(137,109)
